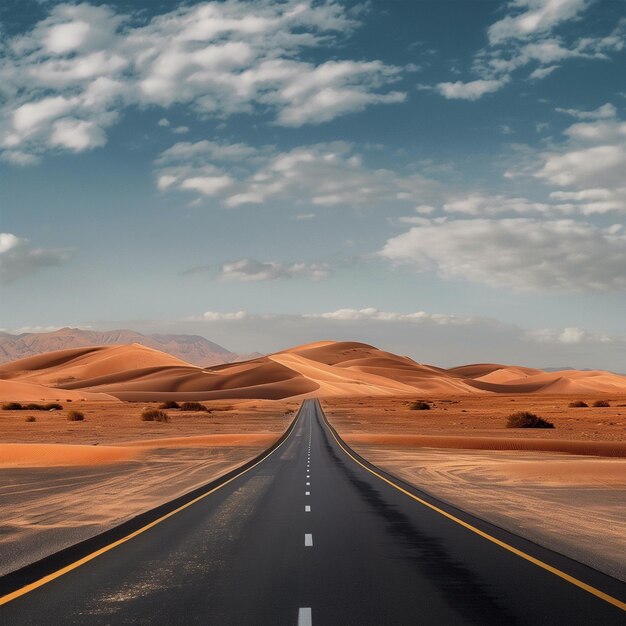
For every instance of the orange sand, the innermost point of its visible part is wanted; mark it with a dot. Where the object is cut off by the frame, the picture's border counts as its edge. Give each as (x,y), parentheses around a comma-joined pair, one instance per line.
(324,369)
(51,455)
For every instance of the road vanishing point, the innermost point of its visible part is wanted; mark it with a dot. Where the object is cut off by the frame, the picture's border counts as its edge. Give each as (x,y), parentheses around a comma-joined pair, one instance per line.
(310,534)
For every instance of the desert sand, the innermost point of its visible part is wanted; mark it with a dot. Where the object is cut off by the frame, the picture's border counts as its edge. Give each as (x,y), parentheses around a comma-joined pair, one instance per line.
(563,488)
(574,475)
(63,481)
(324,369)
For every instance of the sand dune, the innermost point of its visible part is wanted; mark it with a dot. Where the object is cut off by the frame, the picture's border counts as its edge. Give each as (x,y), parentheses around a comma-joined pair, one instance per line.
(324,369)
(32,392)
(585,448)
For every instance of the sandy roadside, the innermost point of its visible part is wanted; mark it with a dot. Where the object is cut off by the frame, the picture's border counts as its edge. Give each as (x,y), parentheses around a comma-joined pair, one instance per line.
(572,503)
(113,466)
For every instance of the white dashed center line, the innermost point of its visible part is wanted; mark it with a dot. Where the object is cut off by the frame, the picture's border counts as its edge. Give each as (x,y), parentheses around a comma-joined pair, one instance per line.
(307,493)
(308,540)
(304,617)
(307,508)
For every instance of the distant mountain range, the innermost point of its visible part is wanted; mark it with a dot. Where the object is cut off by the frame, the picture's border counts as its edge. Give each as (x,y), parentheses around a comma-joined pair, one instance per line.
(191,348)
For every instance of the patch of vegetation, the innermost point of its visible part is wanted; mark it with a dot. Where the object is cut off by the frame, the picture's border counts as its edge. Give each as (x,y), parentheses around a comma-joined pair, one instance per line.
(601,403)
(154,415)
(419,405)
(53,406)
(524,419)
(169,404)
(30,418)
(75,416)
(34,407)
(577,404)
(12,406)
(194,406)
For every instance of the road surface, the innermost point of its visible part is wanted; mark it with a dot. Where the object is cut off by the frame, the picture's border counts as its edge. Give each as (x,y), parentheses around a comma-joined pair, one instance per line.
(311,536)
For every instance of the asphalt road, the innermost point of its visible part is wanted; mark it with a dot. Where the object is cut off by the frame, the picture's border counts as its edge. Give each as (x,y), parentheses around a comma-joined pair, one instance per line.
(309,536)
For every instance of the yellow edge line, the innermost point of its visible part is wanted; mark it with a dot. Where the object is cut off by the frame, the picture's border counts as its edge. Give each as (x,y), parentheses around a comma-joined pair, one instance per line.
(72,566)
(557,572)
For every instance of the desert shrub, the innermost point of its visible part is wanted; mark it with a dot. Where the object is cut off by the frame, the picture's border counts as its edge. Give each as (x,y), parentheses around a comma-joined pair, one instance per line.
(577,404)
(524,419)
(34,407)
(69,400)
(154,415)
(53,406)
(419,405)
(75,416)
(30,418)
(193,406)
(169,404)
(601,403)
(12,406)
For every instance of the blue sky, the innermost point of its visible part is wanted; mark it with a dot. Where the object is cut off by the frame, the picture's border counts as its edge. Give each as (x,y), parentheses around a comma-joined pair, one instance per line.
(444,179)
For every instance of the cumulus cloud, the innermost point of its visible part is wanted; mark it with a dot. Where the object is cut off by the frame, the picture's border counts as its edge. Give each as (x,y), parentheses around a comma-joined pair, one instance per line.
(478,204)
(18,258)
(330,174)
(372,314)
(252,270)
(572,335)
(590,165)
(472,90)
(605,111)
(64,82)
(531,36)
(534,16)
(214,316)
(521,254)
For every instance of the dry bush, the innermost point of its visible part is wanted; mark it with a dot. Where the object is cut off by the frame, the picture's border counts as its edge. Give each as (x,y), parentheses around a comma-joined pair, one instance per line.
(577,404)
(524,419)
(169,404)
(419,405)
(601,403)
(154,415)
(193,406)
(30,418)
(75,416)
(12,406)
(53,406)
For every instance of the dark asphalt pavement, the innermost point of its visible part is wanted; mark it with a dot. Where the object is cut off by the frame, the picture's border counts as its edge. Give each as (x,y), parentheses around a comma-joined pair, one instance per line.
(308,536)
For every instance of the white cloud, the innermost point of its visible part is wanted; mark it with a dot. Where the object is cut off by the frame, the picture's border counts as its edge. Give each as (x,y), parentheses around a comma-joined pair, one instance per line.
(476,204)
(521,254)
(542,72)
(18,258)
(372,314)
(252,270)
(213,316)
(530,35)
(330,174)
(83,65)
(472,90)
(572,336)
(206,185)
(590,164)
(76,135)
(606,111)
(534,16)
